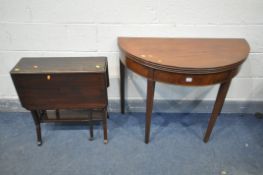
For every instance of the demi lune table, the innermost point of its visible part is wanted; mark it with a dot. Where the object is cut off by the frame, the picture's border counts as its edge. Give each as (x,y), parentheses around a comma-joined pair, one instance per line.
(182,61)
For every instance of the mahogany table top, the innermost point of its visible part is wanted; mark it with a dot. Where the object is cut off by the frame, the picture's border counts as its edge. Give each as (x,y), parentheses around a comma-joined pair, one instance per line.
(186,54)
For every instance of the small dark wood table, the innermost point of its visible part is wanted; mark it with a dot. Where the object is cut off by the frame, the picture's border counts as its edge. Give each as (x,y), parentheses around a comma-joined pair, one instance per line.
(48,87)
(182,61)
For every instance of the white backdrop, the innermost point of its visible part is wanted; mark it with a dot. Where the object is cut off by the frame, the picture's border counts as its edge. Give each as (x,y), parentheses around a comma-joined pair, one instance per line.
(90,28)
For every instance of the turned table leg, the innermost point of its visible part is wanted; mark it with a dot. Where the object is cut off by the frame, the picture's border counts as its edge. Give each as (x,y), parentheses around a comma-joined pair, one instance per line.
(149,107)
(122,82)
(37,124)
(217,108)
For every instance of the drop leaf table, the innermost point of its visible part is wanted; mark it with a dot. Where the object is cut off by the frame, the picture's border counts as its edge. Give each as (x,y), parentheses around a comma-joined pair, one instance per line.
(48,87)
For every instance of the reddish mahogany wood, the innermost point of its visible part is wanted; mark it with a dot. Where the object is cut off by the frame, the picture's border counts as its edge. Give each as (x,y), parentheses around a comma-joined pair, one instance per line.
(149,107)
(186,54)
(217,108)
(62,83)
(179,78)
(182,61)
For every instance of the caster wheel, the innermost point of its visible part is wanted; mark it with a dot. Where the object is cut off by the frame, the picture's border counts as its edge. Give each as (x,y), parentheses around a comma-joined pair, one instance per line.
(105,141)
(91,138)
(39,143)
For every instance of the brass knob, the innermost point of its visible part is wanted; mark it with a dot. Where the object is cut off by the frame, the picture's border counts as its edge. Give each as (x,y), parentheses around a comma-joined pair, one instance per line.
(188,79)
(48,77)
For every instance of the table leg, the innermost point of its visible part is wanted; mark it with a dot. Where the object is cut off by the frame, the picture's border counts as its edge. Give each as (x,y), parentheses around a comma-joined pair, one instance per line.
(149,107)
(122,82)
(57,114)
(91,126)
(37,124)
(105,128)
(43,113)
(217,108)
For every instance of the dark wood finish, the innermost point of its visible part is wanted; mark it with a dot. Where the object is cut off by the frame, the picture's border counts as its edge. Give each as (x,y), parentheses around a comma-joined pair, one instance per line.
(62,91)
(57,114)
(122,82)
(149,107)
(62,83)
(105,127)
(182,61)
(91,126)
(55,65)
(217,108)
(36,119)
(73,116)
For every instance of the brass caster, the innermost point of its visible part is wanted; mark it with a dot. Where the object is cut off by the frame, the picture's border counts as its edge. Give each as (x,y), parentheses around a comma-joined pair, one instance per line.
(105,141)
(39,143)
(205,141)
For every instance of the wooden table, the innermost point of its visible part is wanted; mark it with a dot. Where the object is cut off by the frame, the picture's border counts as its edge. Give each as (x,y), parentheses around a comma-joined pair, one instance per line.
(60,84)
(182,61)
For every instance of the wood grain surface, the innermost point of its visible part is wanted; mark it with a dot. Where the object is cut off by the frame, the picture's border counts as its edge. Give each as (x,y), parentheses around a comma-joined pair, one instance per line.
(182,61)
(60,65)
(186,54)
(63,83)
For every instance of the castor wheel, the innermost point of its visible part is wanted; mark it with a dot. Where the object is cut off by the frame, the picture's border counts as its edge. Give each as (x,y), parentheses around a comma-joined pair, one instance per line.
(39,143)
(105,141)
(91,138)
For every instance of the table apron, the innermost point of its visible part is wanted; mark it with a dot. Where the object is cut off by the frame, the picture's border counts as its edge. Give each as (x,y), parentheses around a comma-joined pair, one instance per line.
(180,78)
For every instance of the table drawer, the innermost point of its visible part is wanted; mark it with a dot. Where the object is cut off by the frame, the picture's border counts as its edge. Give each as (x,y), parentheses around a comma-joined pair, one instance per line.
(194,79)
(53,91)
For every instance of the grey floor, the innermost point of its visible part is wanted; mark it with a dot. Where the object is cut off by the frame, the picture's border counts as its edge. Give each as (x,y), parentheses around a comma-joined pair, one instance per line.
(176,147)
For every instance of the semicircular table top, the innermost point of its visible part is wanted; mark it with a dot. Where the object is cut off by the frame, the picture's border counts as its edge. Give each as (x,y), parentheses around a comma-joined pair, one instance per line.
(182,61)
(186,54)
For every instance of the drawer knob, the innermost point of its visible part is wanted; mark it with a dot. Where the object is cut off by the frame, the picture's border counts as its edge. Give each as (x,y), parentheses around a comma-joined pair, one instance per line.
(48,77)
(188,79)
